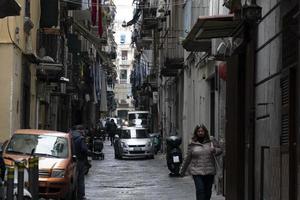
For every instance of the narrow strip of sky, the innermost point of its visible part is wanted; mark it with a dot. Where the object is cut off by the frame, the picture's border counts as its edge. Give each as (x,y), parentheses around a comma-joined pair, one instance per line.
(125,11)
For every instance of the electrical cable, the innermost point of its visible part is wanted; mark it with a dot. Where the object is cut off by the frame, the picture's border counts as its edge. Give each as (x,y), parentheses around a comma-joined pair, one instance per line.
(140,6)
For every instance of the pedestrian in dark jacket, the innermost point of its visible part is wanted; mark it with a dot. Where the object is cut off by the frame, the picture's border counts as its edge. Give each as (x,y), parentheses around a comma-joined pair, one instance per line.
(200,159)
(112,128)
(81,152)
(2,168)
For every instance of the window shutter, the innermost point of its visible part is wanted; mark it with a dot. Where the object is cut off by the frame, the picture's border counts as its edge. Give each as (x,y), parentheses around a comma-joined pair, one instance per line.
(284,84)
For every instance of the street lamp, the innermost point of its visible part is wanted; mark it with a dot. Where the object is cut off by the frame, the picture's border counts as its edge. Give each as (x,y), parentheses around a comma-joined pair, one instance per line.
(124,24)
(252,12)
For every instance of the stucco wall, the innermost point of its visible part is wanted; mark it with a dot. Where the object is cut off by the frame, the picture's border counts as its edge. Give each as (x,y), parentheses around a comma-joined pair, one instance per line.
(196,101)
(9,67)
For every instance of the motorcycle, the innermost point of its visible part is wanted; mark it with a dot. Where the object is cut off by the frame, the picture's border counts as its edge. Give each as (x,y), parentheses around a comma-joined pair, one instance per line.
(174,155)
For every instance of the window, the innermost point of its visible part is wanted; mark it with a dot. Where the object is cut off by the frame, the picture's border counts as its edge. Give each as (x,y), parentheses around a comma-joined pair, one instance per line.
(44,145)
(124,55)
(27,8)
(123,39)
(123,76)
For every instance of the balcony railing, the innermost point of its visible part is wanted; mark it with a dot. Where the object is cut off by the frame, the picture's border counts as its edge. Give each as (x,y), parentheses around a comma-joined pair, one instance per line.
(125,62)
(174,53)
(50,42)
(123,81)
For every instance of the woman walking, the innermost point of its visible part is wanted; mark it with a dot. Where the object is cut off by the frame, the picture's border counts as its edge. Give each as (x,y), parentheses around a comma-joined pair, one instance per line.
(201,162)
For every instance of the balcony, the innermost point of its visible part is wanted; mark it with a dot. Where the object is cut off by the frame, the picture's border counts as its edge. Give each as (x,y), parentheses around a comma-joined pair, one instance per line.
(125,62)
(149,17)
(174,51)
(123,81)
(50,42)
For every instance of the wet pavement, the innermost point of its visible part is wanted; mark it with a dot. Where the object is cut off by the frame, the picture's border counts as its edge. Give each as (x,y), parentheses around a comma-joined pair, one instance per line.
(142,179)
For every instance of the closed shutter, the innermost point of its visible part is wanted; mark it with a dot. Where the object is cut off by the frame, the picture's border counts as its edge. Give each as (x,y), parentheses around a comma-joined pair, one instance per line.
(288,85)
(284,84)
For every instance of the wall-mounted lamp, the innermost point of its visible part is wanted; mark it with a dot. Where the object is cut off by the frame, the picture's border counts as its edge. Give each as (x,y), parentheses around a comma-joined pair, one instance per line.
(124,24)
(251,12)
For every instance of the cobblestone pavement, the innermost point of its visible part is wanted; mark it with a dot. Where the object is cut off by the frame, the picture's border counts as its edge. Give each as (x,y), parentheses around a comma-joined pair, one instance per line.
(142,179)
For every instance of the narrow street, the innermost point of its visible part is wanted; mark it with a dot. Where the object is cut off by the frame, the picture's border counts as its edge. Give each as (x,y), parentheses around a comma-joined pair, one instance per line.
(142,179)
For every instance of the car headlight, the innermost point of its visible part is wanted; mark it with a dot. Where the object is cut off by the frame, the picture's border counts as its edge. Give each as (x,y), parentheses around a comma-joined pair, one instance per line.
(124,145)
(58,173)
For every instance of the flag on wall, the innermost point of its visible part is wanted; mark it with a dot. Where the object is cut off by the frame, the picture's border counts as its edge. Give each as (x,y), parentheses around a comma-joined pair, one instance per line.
(94,12)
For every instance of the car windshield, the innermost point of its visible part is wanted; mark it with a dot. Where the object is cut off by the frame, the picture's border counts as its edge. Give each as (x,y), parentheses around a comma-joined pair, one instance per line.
(44,145)
(128,134)
(137,116)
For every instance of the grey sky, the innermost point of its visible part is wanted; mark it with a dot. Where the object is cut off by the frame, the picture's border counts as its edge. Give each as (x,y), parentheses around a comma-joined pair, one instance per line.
(124,10)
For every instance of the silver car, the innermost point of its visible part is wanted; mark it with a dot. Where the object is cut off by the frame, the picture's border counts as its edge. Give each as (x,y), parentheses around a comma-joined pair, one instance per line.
(133,142)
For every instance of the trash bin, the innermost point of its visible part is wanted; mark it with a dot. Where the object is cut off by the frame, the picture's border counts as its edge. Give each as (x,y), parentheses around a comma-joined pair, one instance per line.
(174,154)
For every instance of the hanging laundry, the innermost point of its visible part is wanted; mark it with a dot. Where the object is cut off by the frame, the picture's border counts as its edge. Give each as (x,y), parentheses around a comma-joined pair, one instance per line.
(100,28)
(94,12)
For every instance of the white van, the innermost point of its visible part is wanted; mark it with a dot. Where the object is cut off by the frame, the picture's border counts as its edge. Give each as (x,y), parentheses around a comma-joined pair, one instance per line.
(139,118)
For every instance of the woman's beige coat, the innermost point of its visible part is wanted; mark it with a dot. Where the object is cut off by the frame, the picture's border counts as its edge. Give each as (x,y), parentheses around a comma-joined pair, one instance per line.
(200,158)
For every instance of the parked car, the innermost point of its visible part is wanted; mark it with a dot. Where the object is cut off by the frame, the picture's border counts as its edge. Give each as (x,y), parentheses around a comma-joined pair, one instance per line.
(133,142)
(57,167)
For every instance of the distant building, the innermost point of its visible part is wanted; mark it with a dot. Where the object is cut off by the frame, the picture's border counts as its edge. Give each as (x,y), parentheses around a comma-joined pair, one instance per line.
(124,64)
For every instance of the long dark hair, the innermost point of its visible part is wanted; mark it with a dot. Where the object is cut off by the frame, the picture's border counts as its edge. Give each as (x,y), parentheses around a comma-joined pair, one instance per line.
(196,138)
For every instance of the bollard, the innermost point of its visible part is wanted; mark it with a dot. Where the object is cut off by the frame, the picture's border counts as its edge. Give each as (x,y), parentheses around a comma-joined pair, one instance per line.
(1,190)
(10,183)
(20,190)
(36,169)
(34,177)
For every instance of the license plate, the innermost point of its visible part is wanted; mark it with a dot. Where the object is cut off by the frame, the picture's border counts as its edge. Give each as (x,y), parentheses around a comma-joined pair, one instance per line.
(176,159)
(137,148)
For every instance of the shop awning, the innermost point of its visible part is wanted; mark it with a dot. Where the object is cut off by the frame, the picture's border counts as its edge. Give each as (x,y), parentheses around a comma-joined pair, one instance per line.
(9,8)
(208,27)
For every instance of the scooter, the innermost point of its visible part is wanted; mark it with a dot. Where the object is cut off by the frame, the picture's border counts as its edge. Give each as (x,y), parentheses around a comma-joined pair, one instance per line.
(174,155)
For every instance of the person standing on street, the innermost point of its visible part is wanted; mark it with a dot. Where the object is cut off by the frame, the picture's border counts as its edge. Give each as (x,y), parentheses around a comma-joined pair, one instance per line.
(112,131)
(81,152)
(2,168)
(201,159)
(107,128)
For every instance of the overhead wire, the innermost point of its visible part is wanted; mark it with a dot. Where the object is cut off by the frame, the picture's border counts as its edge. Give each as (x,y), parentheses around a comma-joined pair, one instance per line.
(136,4)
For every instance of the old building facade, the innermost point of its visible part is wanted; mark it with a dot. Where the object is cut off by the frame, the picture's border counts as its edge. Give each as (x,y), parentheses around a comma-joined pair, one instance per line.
(55,64)
(238,75)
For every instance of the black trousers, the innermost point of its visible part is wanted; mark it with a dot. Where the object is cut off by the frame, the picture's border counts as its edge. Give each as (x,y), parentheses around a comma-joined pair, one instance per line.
(203,185)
